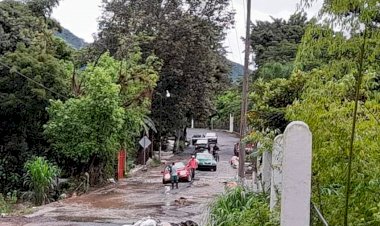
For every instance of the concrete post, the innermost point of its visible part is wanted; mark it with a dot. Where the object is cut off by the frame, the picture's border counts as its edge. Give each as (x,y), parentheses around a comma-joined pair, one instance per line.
(276,175)
(231,123)
(267,170)
(296,177)
(192,123)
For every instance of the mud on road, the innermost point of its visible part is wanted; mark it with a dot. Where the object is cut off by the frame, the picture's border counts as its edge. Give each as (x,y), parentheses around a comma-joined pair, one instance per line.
(140,196)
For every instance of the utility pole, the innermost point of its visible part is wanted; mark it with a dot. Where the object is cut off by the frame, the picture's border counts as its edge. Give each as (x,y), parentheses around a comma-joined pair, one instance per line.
(244,103)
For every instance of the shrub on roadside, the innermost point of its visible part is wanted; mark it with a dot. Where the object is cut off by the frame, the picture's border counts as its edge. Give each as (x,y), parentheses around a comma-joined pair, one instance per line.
(242,207)
(40,178)
(7,202)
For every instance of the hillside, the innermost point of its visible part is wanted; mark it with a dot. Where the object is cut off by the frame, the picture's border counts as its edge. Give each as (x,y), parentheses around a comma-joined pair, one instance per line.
(237,71)
(71,39)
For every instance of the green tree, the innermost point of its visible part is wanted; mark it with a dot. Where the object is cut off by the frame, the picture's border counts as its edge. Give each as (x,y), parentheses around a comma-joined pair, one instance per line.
(277,41)
(342,70)
(23,105)
(42,7)
(88,130)
(27,48)
(187,36)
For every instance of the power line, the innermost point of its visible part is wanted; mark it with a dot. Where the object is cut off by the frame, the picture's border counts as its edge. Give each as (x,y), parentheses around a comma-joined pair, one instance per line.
(236,35)
(30,79)
(244,8)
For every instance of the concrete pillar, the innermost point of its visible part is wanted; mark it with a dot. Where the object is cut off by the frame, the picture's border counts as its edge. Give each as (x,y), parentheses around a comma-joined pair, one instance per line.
(296,175)
(231,123)
(276,175)
(192,123)
(267,170)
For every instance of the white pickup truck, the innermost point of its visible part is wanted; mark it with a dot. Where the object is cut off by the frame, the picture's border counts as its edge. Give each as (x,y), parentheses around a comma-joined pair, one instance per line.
(212,138)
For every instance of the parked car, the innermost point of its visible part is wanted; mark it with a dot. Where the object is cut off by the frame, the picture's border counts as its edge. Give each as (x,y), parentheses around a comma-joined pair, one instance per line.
(195,137)
(184,173)
(206,161)
(212,138)
(202,143)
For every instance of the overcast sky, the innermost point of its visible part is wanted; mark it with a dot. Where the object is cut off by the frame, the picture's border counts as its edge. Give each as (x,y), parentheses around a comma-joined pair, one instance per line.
(80,17)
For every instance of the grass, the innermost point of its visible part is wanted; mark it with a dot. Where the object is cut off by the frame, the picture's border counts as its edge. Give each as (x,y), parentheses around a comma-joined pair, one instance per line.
(40,178)
(239,206)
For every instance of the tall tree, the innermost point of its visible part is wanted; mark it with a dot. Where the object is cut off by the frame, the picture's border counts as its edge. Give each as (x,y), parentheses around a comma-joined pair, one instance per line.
(86,131)
(34,68)
(187,36)
(340,103)
(275,45)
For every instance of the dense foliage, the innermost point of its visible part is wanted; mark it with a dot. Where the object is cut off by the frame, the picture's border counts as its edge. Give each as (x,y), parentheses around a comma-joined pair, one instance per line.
(319,88)
(187,36)
(327,105)
(96,106)
(88,130)
(27,46)
(275,46)
(41,179)
(240,206)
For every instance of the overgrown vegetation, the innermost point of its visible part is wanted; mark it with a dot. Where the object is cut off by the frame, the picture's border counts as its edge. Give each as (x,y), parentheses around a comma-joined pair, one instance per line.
(239,206)
(40,178)
(320,90)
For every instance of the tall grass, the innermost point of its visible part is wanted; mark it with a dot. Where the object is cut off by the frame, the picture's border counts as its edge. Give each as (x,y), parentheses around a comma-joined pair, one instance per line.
(40,178)
(242,207)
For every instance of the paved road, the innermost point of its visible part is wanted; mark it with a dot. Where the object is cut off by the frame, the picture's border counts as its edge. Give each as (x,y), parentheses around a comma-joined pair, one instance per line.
(141,196)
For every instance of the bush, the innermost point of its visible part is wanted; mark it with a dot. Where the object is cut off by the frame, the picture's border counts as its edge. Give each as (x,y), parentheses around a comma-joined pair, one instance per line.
(40,178)
(4,206)
(241,207)
(7,202)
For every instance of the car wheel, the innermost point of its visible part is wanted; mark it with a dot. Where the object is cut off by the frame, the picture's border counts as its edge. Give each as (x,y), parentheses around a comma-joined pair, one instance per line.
(214,169)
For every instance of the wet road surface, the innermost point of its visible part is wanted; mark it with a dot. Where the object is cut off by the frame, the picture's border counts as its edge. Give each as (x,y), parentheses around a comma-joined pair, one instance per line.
(140,196)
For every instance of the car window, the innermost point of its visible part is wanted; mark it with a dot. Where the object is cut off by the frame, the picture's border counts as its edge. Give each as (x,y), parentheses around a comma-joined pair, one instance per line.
(201,142)
(204,156)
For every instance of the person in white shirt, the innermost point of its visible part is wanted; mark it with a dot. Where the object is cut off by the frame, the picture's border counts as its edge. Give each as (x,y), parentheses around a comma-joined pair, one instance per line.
(174,175)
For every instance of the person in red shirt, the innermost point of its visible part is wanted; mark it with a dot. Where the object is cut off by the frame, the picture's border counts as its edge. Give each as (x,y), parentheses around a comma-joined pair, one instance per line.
(193,164)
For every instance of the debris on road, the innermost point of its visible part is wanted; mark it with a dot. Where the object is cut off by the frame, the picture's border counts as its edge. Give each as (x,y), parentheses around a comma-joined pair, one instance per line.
(181,201)
(230,184)
(152,222)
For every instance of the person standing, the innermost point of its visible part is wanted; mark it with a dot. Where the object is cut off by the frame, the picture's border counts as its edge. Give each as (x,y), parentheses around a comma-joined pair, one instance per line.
(193,165)
(174,175)
(215,153)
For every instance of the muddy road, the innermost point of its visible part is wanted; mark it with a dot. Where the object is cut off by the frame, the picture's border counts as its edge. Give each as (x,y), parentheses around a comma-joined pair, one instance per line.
(140,196)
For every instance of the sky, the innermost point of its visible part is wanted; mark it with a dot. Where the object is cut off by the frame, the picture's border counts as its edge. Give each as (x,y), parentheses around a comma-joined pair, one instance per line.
(81,18)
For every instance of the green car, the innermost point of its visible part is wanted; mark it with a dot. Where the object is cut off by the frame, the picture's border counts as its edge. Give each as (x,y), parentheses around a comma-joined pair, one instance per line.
(206,161)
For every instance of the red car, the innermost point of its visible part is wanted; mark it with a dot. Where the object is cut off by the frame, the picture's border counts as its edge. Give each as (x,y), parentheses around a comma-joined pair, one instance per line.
(184,173)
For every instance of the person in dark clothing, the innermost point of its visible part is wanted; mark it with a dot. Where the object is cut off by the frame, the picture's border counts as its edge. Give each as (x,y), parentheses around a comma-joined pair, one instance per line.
(215,153)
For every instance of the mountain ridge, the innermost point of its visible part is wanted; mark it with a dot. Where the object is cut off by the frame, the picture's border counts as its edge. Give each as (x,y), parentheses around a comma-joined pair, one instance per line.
(71,39)
(237,70)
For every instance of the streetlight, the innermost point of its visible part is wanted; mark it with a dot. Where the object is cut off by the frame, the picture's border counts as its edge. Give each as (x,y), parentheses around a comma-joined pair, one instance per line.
(159,149)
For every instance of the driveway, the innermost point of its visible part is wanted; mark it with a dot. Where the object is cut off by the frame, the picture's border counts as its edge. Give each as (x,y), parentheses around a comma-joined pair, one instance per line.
(143,195)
